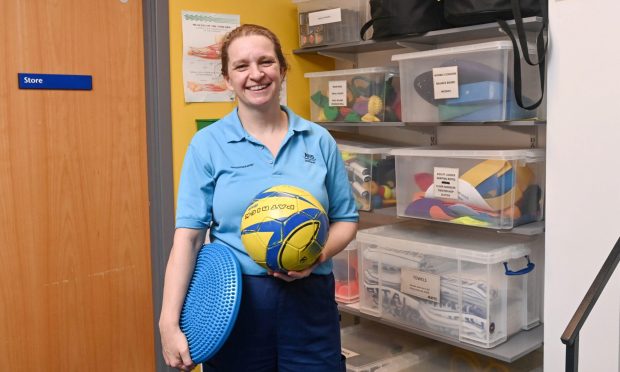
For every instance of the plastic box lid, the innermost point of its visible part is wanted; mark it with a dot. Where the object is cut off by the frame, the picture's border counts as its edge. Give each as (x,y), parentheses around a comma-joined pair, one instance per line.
(364,147)
(353,71)
(482,247)
(472,48)
(529,155)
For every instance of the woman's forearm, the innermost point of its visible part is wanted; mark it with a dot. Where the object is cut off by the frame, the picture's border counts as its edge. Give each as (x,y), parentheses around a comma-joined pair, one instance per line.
(340,235)
(187,243)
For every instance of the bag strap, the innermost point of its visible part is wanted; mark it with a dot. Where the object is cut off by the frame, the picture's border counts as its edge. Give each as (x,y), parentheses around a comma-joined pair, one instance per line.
(365,28)
(541,44)
(541,51)
(370,23)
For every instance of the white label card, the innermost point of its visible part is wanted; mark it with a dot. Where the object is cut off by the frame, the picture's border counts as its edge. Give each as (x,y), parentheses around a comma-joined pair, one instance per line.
(348,353)
(446,181)
(446,82)
(337,93)
(324,16)
(420,284)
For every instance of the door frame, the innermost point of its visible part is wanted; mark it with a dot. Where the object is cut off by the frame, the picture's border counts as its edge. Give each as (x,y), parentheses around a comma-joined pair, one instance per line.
(159,152)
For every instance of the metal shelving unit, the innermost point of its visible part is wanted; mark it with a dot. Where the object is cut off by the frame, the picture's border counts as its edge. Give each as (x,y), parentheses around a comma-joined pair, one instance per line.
(529,229)
(515,123)
(521,343)
(344,124)
(430,39)
(518,345)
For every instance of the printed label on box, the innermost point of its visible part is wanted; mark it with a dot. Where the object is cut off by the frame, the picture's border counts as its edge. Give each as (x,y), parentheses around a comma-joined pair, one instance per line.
(446,182)
(324,16)
(337,93)
(348,353)
(446,82)
(420,284)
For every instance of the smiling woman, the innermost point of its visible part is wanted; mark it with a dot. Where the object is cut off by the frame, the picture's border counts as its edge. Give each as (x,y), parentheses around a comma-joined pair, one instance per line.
(287,321)
(255,74)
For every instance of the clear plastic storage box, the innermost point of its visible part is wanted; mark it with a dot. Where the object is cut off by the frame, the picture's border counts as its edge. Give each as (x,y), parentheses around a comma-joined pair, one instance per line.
(371,171)
(452,282)
(345,274)
(472,83)
(370,94)
(492,188)
(368,347)
(327,22)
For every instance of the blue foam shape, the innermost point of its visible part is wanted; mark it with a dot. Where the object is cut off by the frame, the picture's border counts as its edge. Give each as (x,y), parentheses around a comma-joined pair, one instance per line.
(492,112)
(496,186)
(212,301)
(483,92)
(483,101)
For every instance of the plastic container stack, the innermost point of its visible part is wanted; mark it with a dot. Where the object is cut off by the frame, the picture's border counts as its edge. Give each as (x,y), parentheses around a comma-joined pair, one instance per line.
(371,172)
(327,22)
(370,94)
(471,83)
(493,188)
(452,282)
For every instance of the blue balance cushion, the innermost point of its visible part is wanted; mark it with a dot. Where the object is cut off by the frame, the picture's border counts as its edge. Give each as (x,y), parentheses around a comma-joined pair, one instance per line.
(212,301)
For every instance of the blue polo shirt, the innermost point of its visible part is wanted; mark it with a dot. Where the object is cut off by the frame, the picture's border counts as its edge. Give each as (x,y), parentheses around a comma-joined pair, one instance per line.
(225,168)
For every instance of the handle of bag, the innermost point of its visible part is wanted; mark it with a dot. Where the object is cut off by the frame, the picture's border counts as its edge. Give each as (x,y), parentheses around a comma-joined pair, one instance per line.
(541,51)
(369,24)
(541,44)
(365,28)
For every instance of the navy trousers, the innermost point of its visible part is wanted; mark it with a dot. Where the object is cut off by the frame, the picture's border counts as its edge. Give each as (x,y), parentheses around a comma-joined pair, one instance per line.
(283,327)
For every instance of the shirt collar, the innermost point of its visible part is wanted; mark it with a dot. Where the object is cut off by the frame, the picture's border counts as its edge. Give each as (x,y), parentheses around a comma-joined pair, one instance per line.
(237,133)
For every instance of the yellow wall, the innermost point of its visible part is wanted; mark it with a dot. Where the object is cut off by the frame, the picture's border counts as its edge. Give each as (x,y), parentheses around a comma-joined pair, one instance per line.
(278,15)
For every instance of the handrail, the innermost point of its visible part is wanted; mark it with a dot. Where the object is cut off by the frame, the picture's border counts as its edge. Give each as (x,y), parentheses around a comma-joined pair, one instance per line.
(570,337)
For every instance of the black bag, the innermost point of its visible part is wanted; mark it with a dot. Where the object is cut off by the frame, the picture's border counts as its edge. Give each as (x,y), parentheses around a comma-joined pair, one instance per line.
(469,12)
(403,17)
(474,12)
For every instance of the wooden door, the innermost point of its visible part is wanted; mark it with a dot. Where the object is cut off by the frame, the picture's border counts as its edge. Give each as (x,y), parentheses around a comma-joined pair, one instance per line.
(75,278)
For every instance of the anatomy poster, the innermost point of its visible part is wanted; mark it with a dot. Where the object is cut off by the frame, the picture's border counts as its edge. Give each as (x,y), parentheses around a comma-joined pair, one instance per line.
(202,41)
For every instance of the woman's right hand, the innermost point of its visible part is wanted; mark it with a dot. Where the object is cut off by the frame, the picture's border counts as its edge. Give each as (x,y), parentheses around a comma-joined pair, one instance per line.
(187,243)
(175,348)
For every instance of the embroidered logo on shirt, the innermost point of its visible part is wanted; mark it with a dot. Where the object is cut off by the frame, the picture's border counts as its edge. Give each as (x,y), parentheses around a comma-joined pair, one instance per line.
(309,158)
(242,166)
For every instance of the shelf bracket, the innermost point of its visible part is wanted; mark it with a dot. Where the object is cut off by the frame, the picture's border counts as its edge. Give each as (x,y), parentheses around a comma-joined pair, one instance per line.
(531,130)
(429,132)
(534,139)
(434,137)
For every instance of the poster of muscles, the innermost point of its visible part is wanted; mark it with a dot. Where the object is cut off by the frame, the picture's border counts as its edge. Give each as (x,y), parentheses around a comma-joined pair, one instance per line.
(202,37)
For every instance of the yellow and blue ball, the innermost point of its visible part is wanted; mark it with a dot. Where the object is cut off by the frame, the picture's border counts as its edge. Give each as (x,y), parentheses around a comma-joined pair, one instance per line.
(284,228)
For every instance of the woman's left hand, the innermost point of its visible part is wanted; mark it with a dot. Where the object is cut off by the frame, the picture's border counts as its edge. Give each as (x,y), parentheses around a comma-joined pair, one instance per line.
(293,275)
(340,234)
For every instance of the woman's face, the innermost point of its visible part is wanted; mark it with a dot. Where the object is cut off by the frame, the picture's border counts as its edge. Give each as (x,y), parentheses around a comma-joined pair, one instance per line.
(254,73)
